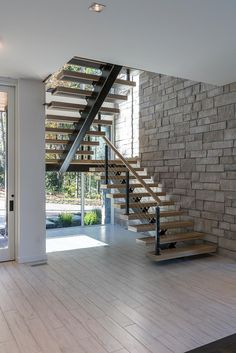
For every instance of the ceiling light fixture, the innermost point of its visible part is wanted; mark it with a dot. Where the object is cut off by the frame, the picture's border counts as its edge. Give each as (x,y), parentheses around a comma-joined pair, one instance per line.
(96,7)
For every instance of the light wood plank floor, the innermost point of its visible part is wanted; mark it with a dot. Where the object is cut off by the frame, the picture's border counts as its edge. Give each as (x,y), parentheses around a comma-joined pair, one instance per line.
(113,299)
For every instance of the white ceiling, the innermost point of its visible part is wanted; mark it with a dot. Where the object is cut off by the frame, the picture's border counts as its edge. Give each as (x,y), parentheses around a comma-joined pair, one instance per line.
(193,39)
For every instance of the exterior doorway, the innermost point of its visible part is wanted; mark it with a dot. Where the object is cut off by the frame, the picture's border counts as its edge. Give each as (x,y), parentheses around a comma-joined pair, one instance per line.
(7,173)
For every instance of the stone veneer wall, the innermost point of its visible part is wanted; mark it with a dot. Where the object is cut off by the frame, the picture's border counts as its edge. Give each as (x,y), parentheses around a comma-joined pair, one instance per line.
(188,142)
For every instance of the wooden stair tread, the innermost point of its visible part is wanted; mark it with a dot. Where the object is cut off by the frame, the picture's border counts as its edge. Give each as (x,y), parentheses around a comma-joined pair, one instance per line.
(196,249)
(164,225)
(83,93)
(72,76)
(73,119)
(171,238)
(90,161)
(94,64)
(65,142)
(143,204)
(121,177)
(81,77)
(62,131)
(117,168)
(123,186)
(78,107)
(164,214)
(57,151)
(133,194)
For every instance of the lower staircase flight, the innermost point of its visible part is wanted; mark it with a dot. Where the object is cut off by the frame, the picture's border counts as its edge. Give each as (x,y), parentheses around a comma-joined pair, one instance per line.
(147,212)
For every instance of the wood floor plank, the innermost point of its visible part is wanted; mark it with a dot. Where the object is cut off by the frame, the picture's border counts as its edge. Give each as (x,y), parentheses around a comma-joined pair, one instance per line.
(65,317)
(97,300)
(114,300)
(9,347)
(91,345)
(35,301)
(5,333)
(147,340)
(99,333)
(6,303)
(42,336)
(21,332)
(127,340)
(67,342)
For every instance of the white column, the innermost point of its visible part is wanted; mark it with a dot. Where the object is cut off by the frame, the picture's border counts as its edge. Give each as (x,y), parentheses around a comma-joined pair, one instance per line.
(30,172)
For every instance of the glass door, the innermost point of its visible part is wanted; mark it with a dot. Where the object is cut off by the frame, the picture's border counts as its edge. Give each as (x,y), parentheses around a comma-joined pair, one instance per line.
(7,206)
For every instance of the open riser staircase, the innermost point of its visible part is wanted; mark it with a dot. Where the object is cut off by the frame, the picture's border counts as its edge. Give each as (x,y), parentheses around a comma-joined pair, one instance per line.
(82,100)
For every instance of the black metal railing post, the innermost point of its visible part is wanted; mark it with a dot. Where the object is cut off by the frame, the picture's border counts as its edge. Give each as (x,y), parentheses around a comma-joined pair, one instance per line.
(106,164)
(157,244)
(128,74)
(127,194)
(82,148)
(88,148)
(99,118)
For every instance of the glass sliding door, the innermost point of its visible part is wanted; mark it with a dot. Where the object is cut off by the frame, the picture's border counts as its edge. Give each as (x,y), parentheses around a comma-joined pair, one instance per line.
(7,205)
(92,199)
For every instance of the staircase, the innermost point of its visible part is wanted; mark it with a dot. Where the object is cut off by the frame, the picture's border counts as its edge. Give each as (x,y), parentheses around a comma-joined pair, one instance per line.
(82,101)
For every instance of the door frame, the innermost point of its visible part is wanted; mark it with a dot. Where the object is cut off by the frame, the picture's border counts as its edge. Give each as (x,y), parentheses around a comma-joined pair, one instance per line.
(8,253)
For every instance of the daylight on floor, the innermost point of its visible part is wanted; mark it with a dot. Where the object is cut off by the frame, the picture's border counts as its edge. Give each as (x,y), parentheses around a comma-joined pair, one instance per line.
(117,177)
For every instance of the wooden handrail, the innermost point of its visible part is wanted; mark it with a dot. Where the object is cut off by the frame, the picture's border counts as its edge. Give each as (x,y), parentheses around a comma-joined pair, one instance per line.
(132,170)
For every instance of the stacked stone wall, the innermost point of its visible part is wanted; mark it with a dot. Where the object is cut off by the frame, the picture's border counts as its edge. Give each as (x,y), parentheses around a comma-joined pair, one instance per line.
(187,136)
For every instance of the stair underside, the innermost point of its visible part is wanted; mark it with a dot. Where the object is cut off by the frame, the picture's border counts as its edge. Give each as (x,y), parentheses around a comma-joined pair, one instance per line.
(134,195)
(82,93)
(123,186)
(135,216)
(143,204)
(62,131)
(92,162)
(79,107)
(117,169)
(164,225)
(65,142)
(61,151)
(80,77)
(122,177)
(73,119)
(88,63)
(169,254)
(171,238)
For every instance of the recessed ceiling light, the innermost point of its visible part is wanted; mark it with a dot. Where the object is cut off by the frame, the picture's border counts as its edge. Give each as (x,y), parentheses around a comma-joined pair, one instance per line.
(97,7)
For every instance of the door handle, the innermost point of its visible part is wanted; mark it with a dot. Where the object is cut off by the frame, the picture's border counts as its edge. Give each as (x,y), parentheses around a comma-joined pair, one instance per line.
(11,205)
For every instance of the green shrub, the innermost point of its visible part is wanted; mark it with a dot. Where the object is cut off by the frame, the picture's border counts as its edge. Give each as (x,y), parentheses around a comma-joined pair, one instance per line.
(99,215)
(65,219)
(92,217)
(93,196)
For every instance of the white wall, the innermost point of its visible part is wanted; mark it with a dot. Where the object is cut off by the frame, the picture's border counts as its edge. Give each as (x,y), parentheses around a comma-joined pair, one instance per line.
(30,172)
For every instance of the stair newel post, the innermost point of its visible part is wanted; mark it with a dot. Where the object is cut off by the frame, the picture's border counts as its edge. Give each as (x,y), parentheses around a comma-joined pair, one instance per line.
(106,164)
(99,118)
(128,74)
(127,194)
(157,244)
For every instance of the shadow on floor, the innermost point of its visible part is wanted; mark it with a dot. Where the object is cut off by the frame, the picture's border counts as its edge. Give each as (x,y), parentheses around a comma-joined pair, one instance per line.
(225,345)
